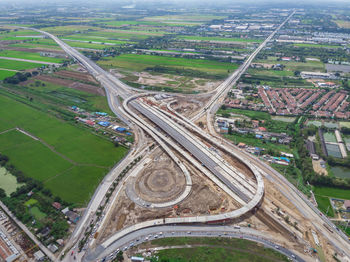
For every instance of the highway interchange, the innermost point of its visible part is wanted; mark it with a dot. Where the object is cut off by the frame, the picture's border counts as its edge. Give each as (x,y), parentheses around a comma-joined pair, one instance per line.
(248,196)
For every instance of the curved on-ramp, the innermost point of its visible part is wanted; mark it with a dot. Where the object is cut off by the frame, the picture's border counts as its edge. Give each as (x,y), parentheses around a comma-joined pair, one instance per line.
(178,220)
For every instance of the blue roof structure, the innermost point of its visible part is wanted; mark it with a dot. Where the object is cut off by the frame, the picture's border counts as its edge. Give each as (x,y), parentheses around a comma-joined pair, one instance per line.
(120,129)
(104,123)
(101,113)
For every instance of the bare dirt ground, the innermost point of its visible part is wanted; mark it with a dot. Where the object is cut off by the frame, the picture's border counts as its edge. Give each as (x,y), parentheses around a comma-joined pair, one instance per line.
(318,168)
(205,198)
(173,81)
(161,180)
(188,105)
(85,77)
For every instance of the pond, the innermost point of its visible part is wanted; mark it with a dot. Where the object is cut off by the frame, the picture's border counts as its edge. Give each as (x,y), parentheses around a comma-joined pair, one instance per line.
(333,150)
(8,182)
(340,171)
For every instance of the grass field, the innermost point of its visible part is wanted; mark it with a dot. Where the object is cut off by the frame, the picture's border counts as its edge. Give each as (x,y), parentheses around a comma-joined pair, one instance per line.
(343,23)
(6,73)
(29,55)
(317,46)
(93,38)
(127,22)
(118,35)
(69,96)
(183,20)
(345,124)
(220,39)
(215,249)
(249,113)
(70,160)
(86,45)
(140,62)
(69,29)
(38,44)
(267,72)
(35,211)
(239,138)
(332,192)
(31,202)
(296,66)
(17,65)
(324,204)
(8,181)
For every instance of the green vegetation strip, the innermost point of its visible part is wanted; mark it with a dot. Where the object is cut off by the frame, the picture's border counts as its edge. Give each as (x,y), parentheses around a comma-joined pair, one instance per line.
(5,73)
(324,205)
(29,56)
(215,249)
(18,65)
(220,39)
(332,192)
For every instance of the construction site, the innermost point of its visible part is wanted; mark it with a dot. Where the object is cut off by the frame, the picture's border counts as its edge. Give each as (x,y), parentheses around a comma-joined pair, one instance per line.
(160,180)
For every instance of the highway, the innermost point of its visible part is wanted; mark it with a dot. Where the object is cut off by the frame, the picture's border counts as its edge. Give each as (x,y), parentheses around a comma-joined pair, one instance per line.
(195,150)
(115,89)
(150,233)
(224,87)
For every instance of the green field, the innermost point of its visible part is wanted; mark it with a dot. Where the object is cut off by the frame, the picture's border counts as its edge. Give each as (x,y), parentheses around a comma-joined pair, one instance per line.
(118,35)
(35,211)
(86,45)
(220,39)
(69,160)
(29,56)
(215,249)
(345,124)
(183,19)
(31,202)
(249,113)
(332,192)
(5,73)
(317,46)
(324,204)
(8,182)
(38,44)
(17,65)
(140,62)
(252,141)
(270,72)
(343,23)
(93,38)
(296,66)
(127,22)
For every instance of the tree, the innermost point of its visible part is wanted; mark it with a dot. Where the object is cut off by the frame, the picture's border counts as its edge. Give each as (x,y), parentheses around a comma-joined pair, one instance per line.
(230,130)
(119,257)
(297,73)
(2,193)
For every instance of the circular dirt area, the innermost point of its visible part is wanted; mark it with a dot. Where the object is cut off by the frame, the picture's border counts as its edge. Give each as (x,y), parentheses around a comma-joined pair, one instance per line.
(160,181)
